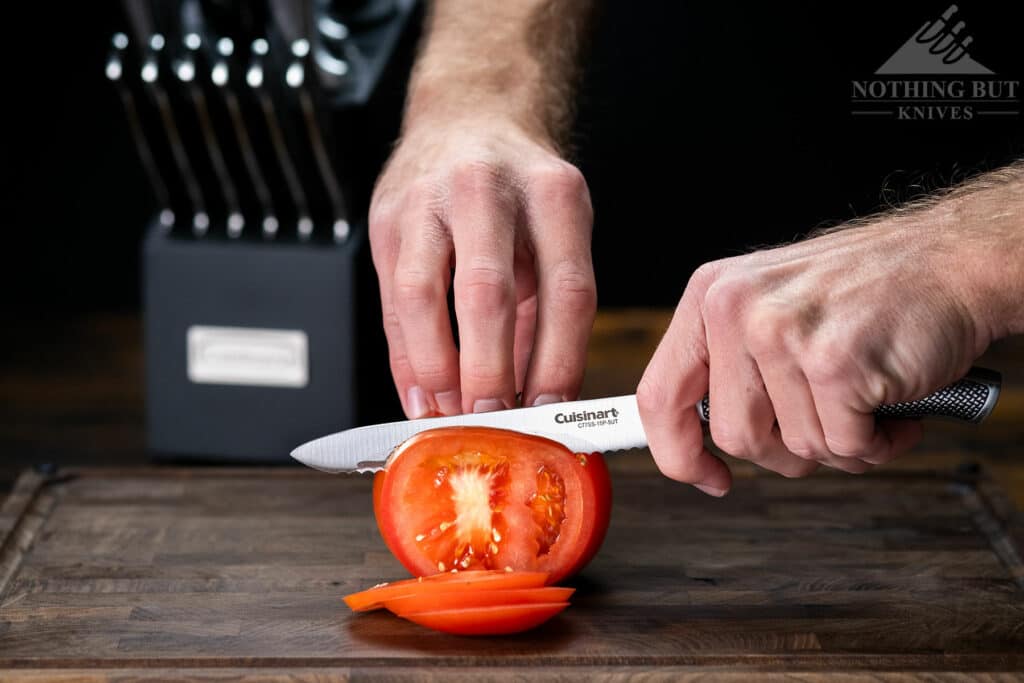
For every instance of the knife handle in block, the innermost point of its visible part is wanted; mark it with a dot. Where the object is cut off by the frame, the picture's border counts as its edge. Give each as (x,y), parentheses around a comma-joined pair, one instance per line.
(970,399)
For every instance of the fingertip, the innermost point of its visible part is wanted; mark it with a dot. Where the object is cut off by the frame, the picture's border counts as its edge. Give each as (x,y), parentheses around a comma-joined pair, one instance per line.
(710,490)
(449,402)
(417,403)
(705,471)
(892,439)
(488,405)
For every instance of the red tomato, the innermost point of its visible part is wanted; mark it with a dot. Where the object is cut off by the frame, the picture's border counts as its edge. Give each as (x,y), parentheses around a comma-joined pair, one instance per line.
(460,583)
(432,602)
(461,498)
(488,621)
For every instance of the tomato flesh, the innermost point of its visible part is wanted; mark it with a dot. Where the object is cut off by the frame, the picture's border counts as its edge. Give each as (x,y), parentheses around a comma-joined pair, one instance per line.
(432,602)
(460,583)
(469,498)
(488,621)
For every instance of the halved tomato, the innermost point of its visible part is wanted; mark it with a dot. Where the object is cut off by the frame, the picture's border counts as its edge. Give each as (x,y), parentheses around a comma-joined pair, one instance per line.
(461,583)
(488,621)
(432,602)
(463,498)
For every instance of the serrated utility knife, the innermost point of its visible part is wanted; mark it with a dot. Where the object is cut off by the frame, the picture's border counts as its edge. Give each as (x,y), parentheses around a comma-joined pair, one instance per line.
(604,424)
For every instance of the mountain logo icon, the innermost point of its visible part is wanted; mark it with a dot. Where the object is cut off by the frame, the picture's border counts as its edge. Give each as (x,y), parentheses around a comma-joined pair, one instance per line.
(939,47)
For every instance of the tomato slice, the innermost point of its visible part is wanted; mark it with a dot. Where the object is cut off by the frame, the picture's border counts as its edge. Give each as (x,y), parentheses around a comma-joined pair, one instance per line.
(469,498)
(461,583)
(431,602)
(488,621)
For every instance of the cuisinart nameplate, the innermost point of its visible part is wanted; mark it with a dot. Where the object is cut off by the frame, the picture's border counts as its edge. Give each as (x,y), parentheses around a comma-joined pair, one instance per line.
(248,355)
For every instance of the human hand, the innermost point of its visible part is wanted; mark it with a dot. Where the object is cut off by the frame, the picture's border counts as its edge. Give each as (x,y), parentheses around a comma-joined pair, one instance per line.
(798,345)
(494,201)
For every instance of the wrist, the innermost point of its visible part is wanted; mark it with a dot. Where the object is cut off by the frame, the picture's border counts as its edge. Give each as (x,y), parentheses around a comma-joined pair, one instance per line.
(984,255)
(443,102)
(449,99)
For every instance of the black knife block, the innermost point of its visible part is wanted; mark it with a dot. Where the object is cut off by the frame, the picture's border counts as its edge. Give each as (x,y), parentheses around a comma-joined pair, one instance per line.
(227,377)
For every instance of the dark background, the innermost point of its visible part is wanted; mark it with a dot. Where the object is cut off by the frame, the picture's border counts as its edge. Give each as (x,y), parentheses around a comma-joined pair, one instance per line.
(705,128)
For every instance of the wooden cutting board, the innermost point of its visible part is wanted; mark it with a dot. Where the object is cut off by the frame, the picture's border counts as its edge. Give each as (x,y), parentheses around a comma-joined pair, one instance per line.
(237,574)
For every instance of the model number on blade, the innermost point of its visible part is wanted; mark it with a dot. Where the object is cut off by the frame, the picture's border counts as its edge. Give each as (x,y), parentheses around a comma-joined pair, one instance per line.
(589,418)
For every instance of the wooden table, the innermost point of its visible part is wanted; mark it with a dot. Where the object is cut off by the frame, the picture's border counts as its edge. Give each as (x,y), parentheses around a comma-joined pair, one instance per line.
(158,573)
(239,572)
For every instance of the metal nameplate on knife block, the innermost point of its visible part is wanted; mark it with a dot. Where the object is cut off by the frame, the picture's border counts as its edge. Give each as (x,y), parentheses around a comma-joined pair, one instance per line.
(250,345)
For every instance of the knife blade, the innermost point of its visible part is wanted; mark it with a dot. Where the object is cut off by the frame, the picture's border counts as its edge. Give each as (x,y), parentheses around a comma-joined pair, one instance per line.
(603,424)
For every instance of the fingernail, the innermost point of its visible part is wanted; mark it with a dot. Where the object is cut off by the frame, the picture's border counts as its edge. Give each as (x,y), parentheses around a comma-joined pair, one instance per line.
(487,405)
(416,403)
(545,399)
(711,490)
(449,402)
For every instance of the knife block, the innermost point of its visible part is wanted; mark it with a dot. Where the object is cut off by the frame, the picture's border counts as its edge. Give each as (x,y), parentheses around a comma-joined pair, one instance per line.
(254,347)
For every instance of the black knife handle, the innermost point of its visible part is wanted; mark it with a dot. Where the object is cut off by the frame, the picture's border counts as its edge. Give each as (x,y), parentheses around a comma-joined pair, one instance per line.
(970,399)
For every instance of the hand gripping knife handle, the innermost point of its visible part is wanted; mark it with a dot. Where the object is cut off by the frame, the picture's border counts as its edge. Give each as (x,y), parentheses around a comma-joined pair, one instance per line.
(970,399)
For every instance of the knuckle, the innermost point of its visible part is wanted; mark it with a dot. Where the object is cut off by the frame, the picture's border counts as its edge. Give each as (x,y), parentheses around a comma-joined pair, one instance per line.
(575,291)
(705,274)
(725,300)
(804,445)
(680,462)
(732,441)
(675,468)
(423,195)
(398,359)
(476,177)
(799,448)
(484,374)
(739,439)
(382,217)
(414,290)
(486,289)
(652,396)
(383,243)
(563,184)
(767,329)
(825,366)
(563,370)
(392,327)
(846,448)
(431,372)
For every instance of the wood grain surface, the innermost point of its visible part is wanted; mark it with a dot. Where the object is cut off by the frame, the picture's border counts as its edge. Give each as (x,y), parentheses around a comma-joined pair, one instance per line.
(168,573)
(242,571)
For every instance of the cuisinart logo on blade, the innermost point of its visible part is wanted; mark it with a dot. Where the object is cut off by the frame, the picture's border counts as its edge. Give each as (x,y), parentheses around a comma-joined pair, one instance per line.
(932,77)
(589,418)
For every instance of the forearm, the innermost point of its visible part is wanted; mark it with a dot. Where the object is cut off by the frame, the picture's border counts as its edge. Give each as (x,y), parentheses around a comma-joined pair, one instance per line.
(516,58)
(985,249)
